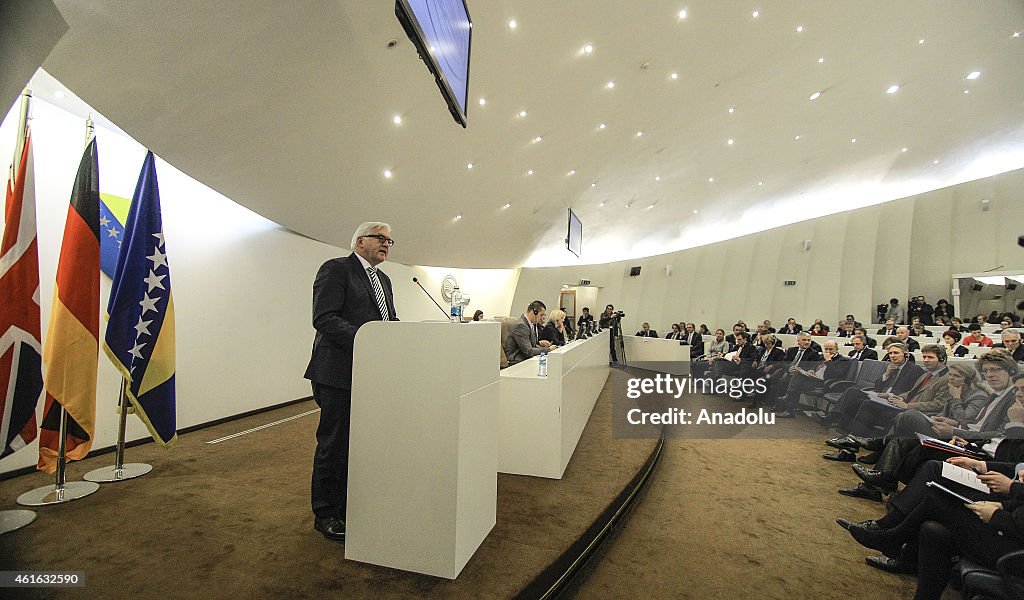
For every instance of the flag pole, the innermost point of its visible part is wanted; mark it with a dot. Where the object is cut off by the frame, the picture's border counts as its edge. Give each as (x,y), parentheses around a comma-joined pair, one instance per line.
(120,471)
(62,491)
(12,520)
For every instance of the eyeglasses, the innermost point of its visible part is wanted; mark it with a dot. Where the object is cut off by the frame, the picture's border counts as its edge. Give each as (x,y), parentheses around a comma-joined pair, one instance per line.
(383,239)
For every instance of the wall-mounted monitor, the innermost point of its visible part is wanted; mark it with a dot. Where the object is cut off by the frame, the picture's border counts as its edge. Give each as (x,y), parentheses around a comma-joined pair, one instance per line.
(574,241)
(441,30)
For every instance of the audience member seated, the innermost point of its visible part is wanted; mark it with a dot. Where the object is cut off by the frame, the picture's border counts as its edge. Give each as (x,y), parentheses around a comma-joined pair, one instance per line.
(953,345)
(1011,342)
(943,309)
(769,357)
(860,352)
(811,376)
(478,315)
(741,362)
(522,341)
(585,319)
(703,329)
(919,330)
(675,334)
(792,327)
(555,331)
(975,336)
(818,329)
(889,330)
(716,350)
(823,326)
(1004,324)
(731,338)
(903,335)
(957,325)
(852,319)
(646,331)
(800,356)
(767,325)
(846,330)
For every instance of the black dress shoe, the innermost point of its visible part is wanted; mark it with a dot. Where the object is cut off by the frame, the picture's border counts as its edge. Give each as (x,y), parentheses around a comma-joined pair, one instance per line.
(333,528)
(843,443)
(870,458)
(876,539)
(864,491)
(891,565)
(873,444)
(841,456)
(846,523)
(876,479)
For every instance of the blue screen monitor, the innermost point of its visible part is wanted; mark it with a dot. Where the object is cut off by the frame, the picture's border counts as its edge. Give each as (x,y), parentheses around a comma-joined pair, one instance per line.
(441,31)
(574,241)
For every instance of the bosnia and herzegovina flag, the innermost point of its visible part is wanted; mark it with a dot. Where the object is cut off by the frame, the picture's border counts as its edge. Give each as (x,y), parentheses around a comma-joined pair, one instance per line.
(140,312)
(71,349)
(113,214)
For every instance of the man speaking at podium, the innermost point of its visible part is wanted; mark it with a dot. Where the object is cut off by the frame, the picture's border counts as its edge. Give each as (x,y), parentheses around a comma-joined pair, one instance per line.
(347,292)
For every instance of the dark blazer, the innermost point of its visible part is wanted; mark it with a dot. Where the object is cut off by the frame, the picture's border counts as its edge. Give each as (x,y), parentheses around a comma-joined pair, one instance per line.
(552,335)
(650,333)
(695,339)
(775,356)
(1018,354)
(887,333)
(837,368)
(903,382)
(866,354)
(584,319)
(343,300)
(810,355)
(672,335)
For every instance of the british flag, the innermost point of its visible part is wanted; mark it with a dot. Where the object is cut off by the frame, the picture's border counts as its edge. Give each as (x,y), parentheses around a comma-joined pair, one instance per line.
(21,378)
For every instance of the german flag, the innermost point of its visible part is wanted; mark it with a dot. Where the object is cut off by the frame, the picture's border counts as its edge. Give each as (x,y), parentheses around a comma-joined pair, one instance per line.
(71,349)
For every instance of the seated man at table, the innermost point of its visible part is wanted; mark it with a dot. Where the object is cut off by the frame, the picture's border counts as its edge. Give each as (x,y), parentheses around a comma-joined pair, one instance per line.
(646,331)
(522,341)
(815,375)
(859,351)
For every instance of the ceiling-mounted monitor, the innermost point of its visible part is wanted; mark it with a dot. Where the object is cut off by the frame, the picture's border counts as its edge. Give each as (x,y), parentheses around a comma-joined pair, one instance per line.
(441,30)
(574,241)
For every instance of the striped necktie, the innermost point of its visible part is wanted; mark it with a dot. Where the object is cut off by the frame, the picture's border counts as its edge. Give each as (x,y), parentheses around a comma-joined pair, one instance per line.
(378,292)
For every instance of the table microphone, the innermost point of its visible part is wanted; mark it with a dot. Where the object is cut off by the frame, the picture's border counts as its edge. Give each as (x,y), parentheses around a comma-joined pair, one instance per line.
(417,282)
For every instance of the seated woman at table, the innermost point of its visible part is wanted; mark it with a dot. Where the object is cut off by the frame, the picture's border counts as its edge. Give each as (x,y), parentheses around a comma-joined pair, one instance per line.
(953,345)
(554,331)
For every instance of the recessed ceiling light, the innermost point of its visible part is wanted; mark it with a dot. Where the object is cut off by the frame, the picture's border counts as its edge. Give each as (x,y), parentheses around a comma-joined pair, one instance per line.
(483,101)
(730,141)
(711,179)
(796,137)
(530,172)
(602,204)
(675,75)
(755,14)
(853,140)
(935,162)
(639,134)
(821,60)
(593,184)
(682,14)
(904,149)
(1016,34)
(506,205)
(588,49)
(650,206)
(387,173)
(732,110)
(974,75)
(920,41)
(572,171)
(60,94)
(800,29)
(892,89)
(522,114)
(397,120)
(967,91)
(610,85)
(469,165)
(695,211)
(458,217)
(601,126)
(760,183)
(512,24)
(815,95)
(538,138)
(657,178)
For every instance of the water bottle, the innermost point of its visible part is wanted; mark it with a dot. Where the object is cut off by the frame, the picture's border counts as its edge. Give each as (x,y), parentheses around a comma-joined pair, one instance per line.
(456,305)
(542,364)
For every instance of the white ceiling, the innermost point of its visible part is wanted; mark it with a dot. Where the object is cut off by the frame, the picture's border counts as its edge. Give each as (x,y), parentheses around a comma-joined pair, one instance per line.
(287,108)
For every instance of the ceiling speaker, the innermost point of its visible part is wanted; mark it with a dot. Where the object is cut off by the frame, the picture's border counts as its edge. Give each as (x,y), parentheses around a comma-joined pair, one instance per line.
(634,271)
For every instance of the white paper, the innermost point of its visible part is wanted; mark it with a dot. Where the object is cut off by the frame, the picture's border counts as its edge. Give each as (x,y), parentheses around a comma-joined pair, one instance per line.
(963,476)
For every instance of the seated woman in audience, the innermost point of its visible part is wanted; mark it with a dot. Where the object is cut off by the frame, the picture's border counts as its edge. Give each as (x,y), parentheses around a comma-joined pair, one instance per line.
(818,329)
(554,331)
(977,337)
(953,345)
(478,315)
(942,309)
(1004,324)
(715,351)
(703,329)
(824,327)
(675,334)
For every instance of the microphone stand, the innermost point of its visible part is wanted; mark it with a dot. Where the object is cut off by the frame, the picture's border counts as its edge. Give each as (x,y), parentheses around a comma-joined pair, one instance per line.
(446,315)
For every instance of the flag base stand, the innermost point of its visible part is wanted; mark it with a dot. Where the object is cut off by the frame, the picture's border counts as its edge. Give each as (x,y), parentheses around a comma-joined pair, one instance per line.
(51,494)
(112,473)
(12,520)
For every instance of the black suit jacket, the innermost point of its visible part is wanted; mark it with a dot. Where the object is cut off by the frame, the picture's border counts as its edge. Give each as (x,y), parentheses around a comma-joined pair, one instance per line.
(810,355)
(903,382)
(866,354)
(650,333)
(343,300)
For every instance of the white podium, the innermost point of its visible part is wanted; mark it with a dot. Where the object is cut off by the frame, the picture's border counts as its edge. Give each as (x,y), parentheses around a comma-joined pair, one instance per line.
(423,449)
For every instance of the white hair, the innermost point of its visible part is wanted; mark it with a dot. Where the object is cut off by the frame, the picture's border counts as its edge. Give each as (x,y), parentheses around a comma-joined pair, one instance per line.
(367,228)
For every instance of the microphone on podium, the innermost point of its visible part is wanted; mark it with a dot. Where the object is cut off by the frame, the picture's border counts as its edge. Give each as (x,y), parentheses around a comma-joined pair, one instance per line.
(417,282)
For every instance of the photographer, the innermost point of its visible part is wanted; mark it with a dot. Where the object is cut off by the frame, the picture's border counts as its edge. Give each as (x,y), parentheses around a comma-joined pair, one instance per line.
(610,320)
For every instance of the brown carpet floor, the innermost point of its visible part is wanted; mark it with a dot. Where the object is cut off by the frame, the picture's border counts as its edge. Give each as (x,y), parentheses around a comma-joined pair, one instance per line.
(722,518)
